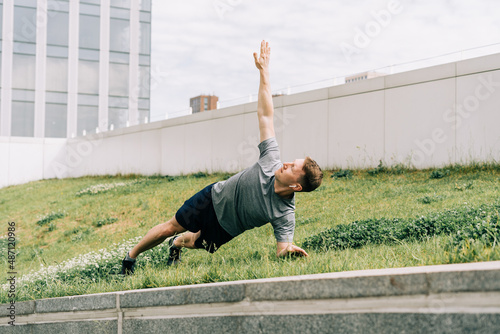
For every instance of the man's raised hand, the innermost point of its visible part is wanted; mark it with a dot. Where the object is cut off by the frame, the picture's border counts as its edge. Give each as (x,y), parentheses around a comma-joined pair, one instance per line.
(262,62)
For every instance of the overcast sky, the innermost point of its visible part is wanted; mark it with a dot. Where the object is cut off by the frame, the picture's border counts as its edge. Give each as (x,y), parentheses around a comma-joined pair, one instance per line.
(206,46)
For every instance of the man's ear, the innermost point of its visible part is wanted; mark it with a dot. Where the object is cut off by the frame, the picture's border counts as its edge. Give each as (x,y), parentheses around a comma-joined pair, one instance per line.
(297,187)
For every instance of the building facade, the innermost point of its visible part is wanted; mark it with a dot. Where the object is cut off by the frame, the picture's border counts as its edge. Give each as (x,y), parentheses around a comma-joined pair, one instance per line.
(70,68)
(203,102)
(363,76)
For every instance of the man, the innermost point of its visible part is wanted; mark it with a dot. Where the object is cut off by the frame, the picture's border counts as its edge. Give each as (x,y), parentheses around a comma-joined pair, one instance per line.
(260,194)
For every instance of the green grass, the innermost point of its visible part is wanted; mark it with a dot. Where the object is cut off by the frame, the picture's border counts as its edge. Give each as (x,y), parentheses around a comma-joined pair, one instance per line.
(58,220)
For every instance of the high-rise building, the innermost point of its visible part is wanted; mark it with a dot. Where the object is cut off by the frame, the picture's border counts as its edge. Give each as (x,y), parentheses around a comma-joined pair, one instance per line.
(363,76)
(73,67)
(203,102)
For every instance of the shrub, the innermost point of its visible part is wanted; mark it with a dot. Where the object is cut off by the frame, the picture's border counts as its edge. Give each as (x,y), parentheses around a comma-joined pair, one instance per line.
(104,221)
(200,175)
(384,230)
(439,173)
(379,169)
(429,199)
(44,220)
(465,186)
(396,169)
(486,230)
(342,173)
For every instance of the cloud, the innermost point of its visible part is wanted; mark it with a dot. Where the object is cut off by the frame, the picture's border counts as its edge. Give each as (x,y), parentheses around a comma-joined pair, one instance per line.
(204,52)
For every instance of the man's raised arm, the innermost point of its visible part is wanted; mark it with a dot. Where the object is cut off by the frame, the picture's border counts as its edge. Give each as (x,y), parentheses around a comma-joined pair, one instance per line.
(265,109)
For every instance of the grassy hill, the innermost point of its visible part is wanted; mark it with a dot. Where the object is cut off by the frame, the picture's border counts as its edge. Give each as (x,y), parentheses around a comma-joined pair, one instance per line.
(71,234)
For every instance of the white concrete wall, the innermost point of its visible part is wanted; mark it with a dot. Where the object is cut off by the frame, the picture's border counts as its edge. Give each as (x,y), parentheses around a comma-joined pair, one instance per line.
(28,159)
(424,118)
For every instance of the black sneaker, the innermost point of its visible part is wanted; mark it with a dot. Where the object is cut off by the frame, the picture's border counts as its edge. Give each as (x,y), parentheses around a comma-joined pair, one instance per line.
(174,255)
(127,267)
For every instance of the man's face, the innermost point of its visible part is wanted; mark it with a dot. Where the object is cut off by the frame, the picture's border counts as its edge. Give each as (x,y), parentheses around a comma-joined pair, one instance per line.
(291,172)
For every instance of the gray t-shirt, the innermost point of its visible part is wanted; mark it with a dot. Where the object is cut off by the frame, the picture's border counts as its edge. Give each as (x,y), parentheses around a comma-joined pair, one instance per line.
(247,199)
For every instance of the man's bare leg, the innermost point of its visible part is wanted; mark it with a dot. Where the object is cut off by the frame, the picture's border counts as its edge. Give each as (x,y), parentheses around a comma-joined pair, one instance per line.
(156,236)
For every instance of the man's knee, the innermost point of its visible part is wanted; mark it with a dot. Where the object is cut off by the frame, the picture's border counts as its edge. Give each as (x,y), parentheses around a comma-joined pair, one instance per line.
(171,227)
(187,240)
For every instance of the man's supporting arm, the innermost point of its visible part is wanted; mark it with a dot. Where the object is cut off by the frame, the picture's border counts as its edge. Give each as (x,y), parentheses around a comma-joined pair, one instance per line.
(265,109)
(285,248)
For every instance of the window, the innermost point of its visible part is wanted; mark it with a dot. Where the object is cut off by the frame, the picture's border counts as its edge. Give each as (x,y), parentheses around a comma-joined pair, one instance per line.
(118,79)
(96,2)
(118,102)
(55,120)
(58,5)
(143,103)
(119,57)
(23,119)
(23,95)
(144,17)
(119,35)
(145,38)
(57,74)
(146,5)
(118,117)
(89,31)
(88,77)
(26,3)
(57,51)
(24,24)
(119,13)
(90,9)
(23,71)
(144,60)
(121,3)
(143,115)
(57,28)
(144,81)
(25,48)
(88,100)
(54,97)
(87,119)
(87,54)
(1,15)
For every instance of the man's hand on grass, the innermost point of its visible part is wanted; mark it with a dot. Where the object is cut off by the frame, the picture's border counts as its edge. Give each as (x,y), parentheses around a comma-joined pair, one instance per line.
(285,249)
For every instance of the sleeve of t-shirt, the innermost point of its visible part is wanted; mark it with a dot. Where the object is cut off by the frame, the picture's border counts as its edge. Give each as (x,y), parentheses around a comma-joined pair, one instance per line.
(284,227)
(269,154)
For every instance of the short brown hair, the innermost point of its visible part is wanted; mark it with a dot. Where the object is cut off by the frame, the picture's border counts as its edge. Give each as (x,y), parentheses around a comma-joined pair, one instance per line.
(313,175)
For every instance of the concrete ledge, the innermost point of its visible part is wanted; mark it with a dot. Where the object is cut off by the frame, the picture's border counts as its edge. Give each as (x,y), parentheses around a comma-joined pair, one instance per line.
(479,64)
(325,323)
(76,303)
(214,293)
(456,298)
(438,72)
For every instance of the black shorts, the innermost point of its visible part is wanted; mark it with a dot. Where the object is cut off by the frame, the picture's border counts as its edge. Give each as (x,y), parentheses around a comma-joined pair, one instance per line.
(198,214)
